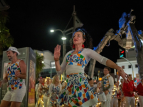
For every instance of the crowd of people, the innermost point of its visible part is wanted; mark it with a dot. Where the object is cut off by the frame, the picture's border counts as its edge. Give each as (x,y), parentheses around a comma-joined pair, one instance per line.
(116,95)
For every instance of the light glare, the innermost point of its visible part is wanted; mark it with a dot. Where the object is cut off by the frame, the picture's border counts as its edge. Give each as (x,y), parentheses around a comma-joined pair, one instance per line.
(51,30)
(64,38)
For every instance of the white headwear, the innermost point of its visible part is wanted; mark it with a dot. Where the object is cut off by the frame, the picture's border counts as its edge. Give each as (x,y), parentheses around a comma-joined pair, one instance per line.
(13,49)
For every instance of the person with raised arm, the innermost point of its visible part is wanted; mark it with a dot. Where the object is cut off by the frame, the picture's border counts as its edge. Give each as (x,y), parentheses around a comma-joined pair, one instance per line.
(77,91)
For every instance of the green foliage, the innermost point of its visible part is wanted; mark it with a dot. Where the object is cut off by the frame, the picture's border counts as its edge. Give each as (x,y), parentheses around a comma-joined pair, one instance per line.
(39,64)
(5,38)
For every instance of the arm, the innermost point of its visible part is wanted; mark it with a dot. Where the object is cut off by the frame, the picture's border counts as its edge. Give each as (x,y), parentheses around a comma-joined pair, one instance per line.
(60,68)
(22,65)
(4,80)
(103,60)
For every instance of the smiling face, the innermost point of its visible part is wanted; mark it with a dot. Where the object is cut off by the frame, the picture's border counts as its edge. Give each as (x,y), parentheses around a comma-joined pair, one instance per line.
(78,38)
(10,55)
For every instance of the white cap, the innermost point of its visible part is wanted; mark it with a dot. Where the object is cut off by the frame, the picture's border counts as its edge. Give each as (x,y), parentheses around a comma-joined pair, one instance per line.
(13,49)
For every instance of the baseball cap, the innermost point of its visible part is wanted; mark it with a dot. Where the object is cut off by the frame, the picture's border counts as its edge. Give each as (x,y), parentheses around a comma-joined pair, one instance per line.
(13,49)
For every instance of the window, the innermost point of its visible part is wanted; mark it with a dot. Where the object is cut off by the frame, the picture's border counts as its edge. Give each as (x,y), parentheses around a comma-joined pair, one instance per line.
(123,67)
(129,66)
(136,65)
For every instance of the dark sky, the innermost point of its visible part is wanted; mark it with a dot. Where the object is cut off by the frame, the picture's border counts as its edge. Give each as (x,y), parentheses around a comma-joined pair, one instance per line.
(31,20)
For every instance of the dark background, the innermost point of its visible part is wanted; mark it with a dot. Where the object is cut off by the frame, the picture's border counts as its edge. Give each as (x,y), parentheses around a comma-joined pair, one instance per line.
(31,20)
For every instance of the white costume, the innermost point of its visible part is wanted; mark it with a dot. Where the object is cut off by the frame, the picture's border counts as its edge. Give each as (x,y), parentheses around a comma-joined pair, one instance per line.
(107,83)
(53,92)
(46,95)
(77,91)
(16,86)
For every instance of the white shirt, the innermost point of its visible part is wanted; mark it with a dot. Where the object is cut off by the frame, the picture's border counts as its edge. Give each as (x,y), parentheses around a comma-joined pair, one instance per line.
(75,63)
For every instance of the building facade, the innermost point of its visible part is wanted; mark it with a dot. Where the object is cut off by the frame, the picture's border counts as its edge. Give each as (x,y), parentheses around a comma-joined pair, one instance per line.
(129,63)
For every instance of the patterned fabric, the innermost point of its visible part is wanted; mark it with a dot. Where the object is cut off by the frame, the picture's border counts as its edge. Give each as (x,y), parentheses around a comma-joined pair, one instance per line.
(77,92)
(54,92)
(13,81)
(105,83)
(115,91)
(47,91)
(76,59)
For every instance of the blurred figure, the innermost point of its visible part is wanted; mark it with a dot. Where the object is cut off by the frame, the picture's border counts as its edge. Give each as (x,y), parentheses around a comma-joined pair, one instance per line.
(140,92)
(128,89)
(107,86)
(46,95)
(121,101)
(54,90)
(64,83)
(98,87)
(90,81)
(115,93)
(39,92)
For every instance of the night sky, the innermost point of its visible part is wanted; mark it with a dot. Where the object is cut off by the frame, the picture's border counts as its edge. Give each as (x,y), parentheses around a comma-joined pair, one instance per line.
(31,20)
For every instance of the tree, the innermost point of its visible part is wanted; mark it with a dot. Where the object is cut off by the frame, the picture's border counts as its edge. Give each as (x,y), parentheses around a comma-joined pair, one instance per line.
(5,38)
(39,64)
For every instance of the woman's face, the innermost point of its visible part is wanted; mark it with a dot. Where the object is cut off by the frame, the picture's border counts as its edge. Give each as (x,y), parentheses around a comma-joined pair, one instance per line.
(78,38)
(57,78)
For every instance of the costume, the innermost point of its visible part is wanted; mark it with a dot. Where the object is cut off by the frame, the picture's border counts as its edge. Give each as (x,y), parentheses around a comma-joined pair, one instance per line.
(46,95)
(140,93)
(107,84)
(115,96)
(53,92)
(39,93)
(16,86)
(121,101)
(129,97)
(77,91)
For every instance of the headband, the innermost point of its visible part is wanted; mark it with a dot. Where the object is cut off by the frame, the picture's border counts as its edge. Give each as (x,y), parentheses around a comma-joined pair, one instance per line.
(78,31)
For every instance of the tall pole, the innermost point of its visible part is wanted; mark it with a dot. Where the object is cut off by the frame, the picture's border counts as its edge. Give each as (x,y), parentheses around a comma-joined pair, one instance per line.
(74,20)
(64,52)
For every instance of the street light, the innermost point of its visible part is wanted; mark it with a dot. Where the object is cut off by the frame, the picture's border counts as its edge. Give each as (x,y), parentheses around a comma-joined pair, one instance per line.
(51,30)
(63,38)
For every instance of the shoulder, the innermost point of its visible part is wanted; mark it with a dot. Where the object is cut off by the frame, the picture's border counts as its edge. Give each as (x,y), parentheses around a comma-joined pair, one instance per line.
(21,62)
(87,49)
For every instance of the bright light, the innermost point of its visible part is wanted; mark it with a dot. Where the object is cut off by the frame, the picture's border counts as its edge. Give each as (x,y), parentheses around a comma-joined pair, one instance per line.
(42,61)
(41,54)
(51,30)
(64,38)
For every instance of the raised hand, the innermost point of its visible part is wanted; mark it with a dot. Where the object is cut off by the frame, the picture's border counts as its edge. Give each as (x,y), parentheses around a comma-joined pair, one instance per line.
(122,74)
(57,52)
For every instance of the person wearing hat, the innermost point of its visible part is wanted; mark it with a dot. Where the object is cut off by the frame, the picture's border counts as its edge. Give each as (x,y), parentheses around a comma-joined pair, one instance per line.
(15,76)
